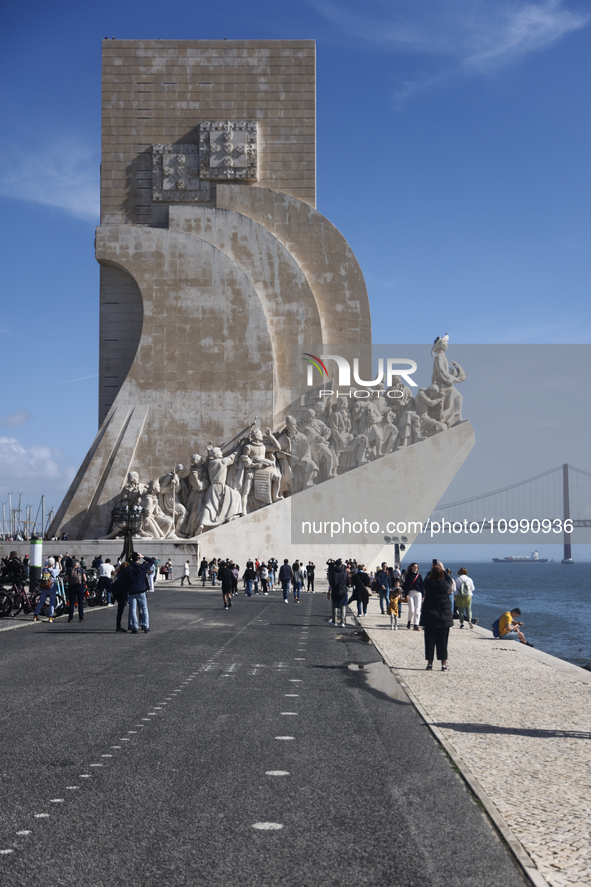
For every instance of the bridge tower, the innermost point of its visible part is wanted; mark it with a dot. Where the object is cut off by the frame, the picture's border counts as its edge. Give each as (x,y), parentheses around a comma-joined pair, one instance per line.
(567,559)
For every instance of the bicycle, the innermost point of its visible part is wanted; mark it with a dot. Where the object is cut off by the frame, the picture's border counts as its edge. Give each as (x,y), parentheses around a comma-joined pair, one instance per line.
(20,599)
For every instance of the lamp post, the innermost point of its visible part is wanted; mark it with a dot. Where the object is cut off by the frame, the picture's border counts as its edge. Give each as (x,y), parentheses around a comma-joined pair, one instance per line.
(127,515)
(399,545)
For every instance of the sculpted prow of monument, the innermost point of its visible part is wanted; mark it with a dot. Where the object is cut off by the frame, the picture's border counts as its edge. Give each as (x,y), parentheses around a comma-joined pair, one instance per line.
(214,261)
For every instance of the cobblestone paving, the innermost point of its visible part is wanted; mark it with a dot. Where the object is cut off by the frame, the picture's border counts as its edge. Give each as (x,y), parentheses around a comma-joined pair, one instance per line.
(521,725)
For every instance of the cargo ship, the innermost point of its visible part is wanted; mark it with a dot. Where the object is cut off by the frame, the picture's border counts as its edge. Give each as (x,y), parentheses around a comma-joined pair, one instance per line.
(521,559)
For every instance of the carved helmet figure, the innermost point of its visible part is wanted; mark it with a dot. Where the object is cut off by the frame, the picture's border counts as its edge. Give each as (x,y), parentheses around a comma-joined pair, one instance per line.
(440,344)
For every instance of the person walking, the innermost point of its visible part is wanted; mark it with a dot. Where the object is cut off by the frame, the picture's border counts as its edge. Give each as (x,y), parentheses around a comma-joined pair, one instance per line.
(361,585)
(203,571)
(152,575)
(227,581)
(235,578)
(169,569)
(338,593)
(393,604)
(136,581)
(310,576)
(213,571)
(285,578)
(384,584)
(76,590)
(119,592)
(249,577)
(463,596)
(264,574)
(106,570)
(298,581)
(436,616)
(413,592)
(48,587)
(186,573)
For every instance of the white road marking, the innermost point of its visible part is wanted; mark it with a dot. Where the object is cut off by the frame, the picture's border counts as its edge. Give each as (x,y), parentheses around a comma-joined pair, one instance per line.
(145,719)
(295,680)
(134,731)
(299,659)
(4,852)
(294,713)
(124,739)
(84,776)
(72,787)
(25,831)
(106,756)
(115,746)
(96,765)
(41,815)
(151,712)
(267,826)
(285,737)
(276,772)
(292,695)
(56,801)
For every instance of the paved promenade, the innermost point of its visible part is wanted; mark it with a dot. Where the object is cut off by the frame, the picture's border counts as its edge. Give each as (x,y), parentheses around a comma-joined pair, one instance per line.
(240,748)
(518,723)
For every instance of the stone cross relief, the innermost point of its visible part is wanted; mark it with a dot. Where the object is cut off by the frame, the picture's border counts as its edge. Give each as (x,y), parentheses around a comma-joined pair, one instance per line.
(226,152)
(322,440)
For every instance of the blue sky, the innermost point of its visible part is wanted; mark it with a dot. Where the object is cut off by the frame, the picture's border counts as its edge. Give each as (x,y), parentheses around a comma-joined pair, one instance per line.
(453,153)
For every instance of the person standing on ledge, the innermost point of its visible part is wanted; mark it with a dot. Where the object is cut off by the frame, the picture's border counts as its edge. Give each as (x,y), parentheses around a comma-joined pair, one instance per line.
(436,616)
(463,596)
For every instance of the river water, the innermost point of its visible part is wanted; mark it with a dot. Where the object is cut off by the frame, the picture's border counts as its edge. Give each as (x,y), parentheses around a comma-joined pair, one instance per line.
(554,599)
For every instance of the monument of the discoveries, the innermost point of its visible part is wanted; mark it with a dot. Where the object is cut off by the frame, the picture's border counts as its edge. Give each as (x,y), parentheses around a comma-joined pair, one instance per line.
(214,262)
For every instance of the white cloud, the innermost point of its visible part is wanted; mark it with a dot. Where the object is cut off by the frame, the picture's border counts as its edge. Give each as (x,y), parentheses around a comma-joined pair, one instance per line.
(33,470)
(61,175)
(467,38)
(15,419)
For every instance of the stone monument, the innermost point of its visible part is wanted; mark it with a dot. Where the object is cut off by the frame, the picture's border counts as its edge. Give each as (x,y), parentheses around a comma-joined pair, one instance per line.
(213,262)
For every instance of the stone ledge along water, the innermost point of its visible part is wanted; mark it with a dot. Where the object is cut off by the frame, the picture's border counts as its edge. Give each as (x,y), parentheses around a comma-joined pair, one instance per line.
(518,722)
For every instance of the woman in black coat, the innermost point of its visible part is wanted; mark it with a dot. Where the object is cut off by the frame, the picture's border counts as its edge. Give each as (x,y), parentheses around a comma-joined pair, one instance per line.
(436,616)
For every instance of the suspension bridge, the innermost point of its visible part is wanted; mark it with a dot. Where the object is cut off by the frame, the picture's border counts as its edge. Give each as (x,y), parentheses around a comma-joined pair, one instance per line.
(558,500)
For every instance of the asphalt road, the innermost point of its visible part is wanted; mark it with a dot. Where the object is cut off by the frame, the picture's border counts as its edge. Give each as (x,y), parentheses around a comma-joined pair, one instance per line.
(255,746)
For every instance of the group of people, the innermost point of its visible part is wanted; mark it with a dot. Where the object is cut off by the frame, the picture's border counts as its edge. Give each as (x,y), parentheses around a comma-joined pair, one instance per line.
(263,575)
(431,601)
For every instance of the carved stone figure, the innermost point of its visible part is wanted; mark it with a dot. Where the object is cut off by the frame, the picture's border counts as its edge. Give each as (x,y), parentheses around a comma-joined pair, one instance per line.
(318,435)
(351,448)
(409,430)
(428,403)
(298,469)
(402,401)
(389,432)
(170,485)
(155,524)
(373,431)
(222,503)
(198,482)
(445,376)
(257,476)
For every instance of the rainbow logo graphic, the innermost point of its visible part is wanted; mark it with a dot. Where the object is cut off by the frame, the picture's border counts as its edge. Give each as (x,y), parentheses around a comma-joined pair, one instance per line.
(314,362)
